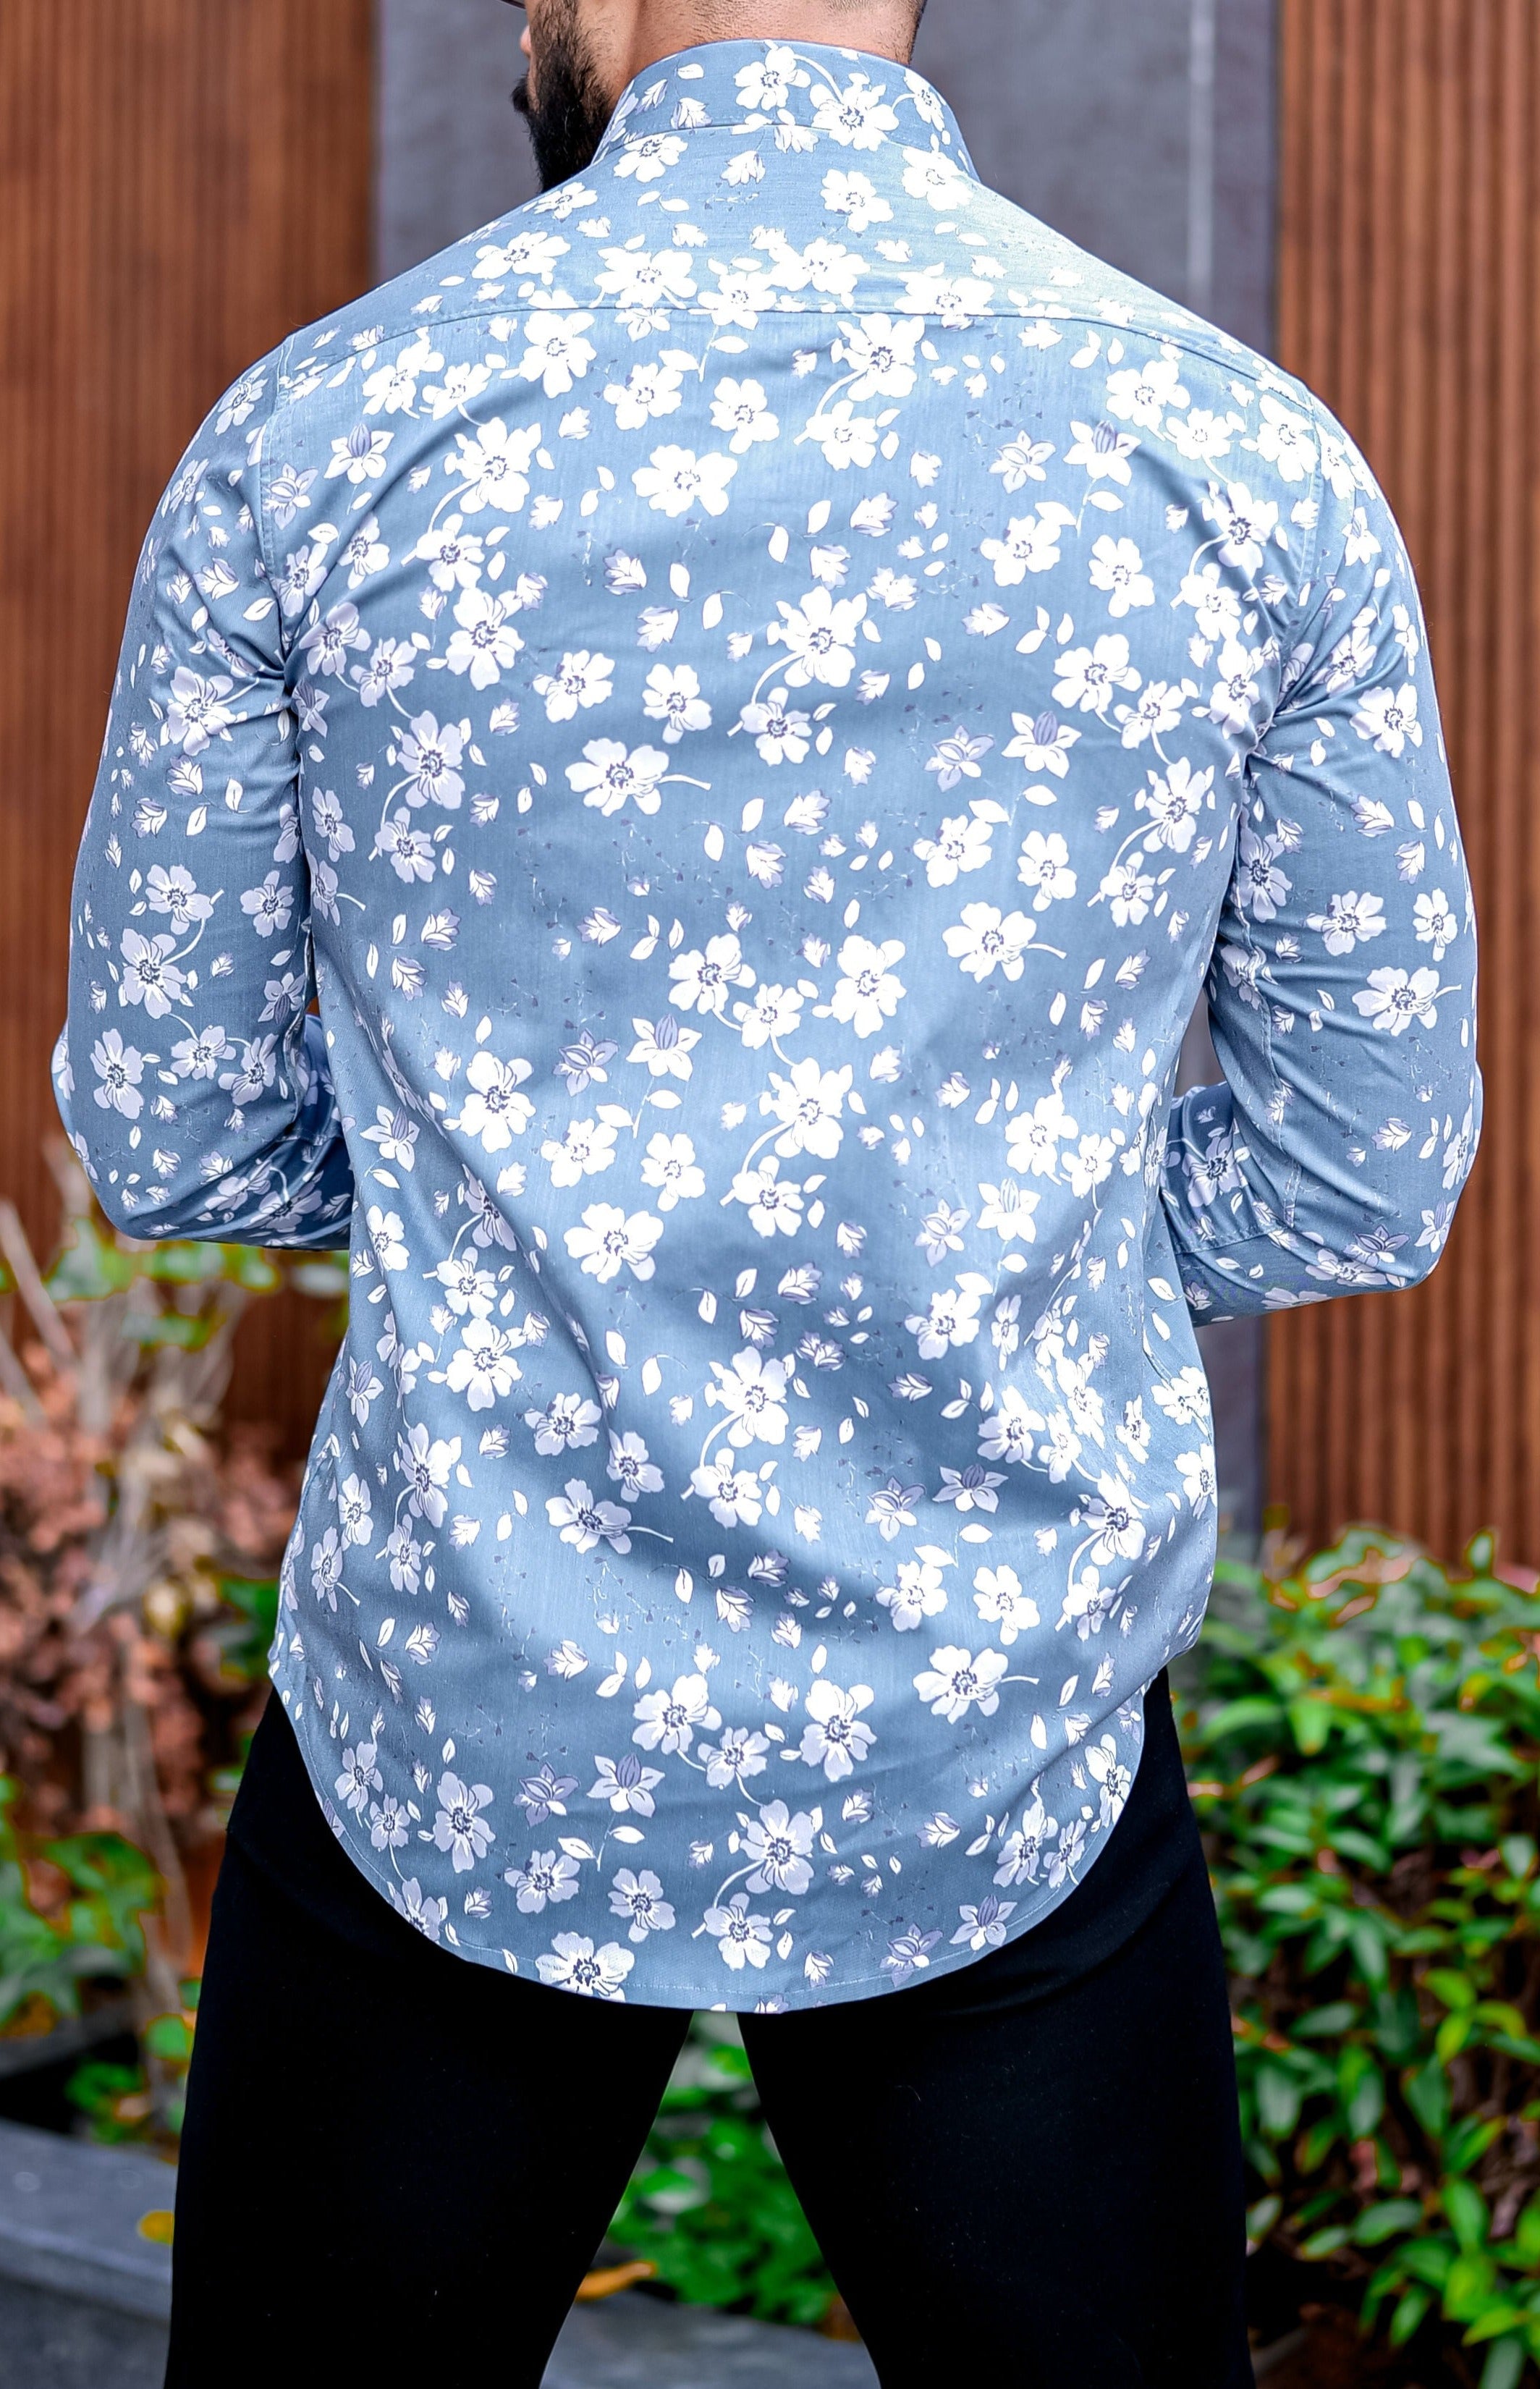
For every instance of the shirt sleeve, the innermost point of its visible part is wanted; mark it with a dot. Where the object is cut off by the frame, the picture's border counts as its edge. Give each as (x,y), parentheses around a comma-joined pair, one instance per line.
(1343,992)
(193,1080)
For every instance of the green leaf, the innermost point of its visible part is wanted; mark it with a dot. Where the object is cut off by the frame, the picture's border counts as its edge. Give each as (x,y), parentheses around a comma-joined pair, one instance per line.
(1455,1991)
(1260,2218)
(1310,1722)
(1526,2238)
(1366,1937)
(1411,2311)
(1332,2020)
(1466,2208)
(1382,2222)
(1278,2100)
(90,1267)
(253,1271)
(169,2037)
(1362,2089)
(1428,2096)
(1242,1716)
(1504,2368)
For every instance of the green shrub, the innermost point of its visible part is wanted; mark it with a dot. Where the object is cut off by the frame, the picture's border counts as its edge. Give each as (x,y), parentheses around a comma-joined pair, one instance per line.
(97,1929)
(710,2203)
(1365,1733)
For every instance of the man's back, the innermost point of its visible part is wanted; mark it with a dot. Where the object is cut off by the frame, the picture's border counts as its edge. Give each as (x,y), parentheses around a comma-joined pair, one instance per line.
(785,667)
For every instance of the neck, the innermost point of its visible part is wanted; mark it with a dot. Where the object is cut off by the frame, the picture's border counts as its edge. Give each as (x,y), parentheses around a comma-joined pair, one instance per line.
(661,29)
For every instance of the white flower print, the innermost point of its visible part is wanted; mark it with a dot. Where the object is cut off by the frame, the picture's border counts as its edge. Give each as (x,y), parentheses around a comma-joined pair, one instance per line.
(566,1423)
(752,1392)
(582,680)
(780,732)
(609,1240)
(819,635)
(670,1169)
(572,1963)
(649,392)
(545,1879)
(556,354)
(639,1897)
(426,1464)
(1388,719)
(742,1940)
(486,644)
(739,407)
(493,1110)
(1002,1605)
(610,773)
(859,117)
(836,1740)
(673,697)
(1045,867)
(196,714)
(809,1101)
(1030,543)
(676,478)
(986,940)
(460,1827)
(918,1592)
(961,844)
(1393,999)
(1142,393)
(1349,920)
(1436,924)
(774,1203)
(585,1522)
(1118,568)
(1043,743)
(484,1368)
(956,1682)
(668,1722)
(868,992)
(702,982)
(779,1847)
(1198,1477)
(494,467)
(1088,676)
(856,198)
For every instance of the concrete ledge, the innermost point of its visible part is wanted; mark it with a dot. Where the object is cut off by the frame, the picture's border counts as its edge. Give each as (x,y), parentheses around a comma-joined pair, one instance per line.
(639,2343)
(85,2297)
(69,2216)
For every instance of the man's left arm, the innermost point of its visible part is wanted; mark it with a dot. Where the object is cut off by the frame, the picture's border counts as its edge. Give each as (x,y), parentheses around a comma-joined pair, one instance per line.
(1343,995)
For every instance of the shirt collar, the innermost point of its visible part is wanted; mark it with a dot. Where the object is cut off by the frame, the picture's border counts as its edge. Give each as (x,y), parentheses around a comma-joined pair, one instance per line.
(806,96)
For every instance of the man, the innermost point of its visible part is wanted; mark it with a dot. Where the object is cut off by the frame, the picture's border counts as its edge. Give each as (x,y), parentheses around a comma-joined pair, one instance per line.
(754,692)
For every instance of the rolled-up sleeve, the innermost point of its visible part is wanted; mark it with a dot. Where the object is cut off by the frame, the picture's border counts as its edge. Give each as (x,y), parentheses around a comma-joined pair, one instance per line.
(1343,993)
(190,1074)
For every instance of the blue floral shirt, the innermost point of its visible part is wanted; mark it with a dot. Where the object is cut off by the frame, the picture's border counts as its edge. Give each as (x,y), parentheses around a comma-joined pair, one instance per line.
(754,693)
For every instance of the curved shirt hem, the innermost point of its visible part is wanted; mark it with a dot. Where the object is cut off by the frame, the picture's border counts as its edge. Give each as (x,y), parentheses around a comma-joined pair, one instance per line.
(297,1710)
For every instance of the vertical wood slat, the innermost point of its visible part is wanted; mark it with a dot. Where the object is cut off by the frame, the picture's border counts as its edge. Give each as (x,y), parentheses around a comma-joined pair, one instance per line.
(181,186)
(1409,299)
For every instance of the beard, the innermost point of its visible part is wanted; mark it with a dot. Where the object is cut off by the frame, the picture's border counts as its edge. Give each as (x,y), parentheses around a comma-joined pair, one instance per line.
(570,115)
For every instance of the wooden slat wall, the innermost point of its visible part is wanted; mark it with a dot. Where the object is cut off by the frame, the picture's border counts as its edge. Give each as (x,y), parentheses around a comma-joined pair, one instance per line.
(181,183)
(1409,298)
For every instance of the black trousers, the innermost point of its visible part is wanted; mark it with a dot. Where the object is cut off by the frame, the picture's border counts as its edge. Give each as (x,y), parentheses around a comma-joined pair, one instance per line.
(398,2164)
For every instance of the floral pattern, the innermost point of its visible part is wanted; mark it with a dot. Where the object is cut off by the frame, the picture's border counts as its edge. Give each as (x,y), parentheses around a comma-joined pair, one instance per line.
(755,692)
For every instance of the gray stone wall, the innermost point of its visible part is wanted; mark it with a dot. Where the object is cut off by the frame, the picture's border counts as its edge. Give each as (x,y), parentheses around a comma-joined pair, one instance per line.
(450,152)
(1095,114)
(1144,131)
